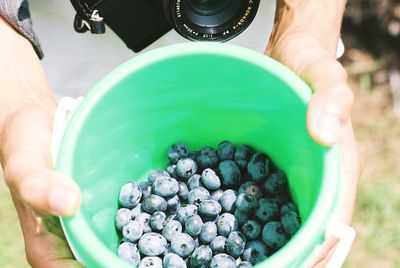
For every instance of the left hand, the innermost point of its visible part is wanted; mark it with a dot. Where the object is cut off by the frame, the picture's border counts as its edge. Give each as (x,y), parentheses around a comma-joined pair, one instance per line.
(329,112)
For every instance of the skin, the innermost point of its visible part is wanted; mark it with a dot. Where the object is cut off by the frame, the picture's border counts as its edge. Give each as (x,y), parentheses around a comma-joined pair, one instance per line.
(302,39)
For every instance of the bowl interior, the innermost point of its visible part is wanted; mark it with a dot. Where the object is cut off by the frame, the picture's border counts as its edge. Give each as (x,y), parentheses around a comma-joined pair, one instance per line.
(122,130)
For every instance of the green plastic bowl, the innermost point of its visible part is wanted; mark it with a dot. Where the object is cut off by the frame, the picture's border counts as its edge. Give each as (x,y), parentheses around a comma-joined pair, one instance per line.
(200,94)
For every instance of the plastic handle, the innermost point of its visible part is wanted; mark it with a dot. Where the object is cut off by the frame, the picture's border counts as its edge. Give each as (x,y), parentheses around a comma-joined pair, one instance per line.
(65,109)
(346,235)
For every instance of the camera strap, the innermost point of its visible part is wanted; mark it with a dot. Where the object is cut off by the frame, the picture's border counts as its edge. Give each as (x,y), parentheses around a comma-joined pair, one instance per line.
(87,19)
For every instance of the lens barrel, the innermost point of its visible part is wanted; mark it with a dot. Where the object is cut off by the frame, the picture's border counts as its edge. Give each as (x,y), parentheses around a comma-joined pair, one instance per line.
(210,20)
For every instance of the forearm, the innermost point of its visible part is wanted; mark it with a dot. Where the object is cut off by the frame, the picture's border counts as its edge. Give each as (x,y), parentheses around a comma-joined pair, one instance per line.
(22,80)
(322,17)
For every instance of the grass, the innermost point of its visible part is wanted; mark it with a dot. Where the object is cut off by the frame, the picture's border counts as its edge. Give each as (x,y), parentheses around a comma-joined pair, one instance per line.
(377,214)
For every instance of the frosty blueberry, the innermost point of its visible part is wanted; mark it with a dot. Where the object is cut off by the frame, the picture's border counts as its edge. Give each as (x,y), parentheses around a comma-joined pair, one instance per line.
(258,167)
(157,221)
(136,210)
(209,209)
(216,195)
(198,195)
(251,188)
(194,182)
(208,232)
(129,252)
(122,218)
(218,245)
(154,203)
(145,186)
(183,192)
(177,151)
(182,245)
(158,174)
(185,168)
(152,244)
(255,252)
(230,173)
(235,244)
(222,260)
(144,219)
(165,187)
(210,179)
(201,256)
(130,195)
(226,151)
(133,231)
(151,262)
(173,204)
(226,223)
(193,225)
(172,260)
(227,200)
(184,212)
(246,203)
(244,264)
(251,229)
(171,229)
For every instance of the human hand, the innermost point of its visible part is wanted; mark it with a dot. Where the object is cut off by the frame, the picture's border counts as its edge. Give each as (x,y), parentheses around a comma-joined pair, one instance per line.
(26,116)
(305,39)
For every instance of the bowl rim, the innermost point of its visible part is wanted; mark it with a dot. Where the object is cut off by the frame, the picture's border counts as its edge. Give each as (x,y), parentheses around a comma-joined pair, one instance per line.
(78,232)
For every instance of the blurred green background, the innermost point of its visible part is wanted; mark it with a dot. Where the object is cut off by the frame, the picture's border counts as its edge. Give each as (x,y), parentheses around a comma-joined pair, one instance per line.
(372,61)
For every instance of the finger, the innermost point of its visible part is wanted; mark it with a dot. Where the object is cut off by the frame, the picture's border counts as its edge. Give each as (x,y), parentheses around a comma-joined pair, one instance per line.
(27,164)
(330,108)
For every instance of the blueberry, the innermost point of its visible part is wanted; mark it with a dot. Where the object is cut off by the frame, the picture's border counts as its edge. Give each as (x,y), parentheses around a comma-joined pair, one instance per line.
(291,222)
(251,188)
(185,212)
(185,168)
(171,169)
(122,218)
(242,155)
(136,210)
(165,187)
(255,252)
(208,158)
(144,219)
(201,256)
(151,262)
(222,260)
(246,203)
(240,216)
(251,229)
(230,173)
(182,244)
(193,225)
(208,232)
(276,183)
(216,195)
(226,223)
(198,195)
(171,260)
(183,192)
(157,221)
(129,252)
(210,179)
(154,203)
(133,231)
(152,244)
(130,195)
(158,174)
(267,210)
(258,167)
(235,244)
(171,229)
(227,200)
(289,206)
(195,181)
(218,245)
(226,150)
(244,264)
(145,186)
(209,209)
(177,151)
(173,204)
(274,235)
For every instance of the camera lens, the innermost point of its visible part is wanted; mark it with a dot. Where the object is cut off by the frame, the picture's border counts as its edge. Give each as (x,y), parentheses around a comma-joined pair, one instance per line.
(210,20)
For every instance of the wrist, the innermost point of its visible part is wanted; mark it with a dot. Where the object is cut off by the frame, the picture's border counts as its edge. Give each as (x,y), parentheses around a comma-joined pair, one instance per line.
(321,19)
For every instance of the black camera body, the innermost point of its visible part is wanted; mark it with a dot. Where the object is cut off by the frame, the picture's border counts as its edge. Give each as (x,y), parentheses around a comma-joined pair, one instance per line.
(141,22)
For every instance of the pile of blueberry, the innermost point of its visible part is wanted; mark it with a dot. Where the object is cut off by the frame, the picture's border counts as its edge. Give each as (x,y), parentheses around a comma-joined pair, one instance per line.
(219,208)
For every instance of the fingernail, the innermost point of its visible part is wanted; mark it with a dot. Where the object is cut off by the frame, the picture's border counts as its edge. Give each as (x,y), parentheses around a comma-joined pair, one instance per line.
(64,200)
(329,127)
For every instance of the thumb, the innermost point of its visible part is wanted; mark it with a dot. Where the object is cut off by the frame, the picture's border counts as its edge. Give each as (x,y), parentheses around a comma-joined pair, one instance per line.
(26,157)
(330,108)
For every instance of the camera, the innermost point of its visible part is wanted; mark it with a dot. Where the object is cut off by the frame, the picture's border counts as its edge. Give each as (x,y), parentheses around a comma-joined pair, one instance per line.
(139,23)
